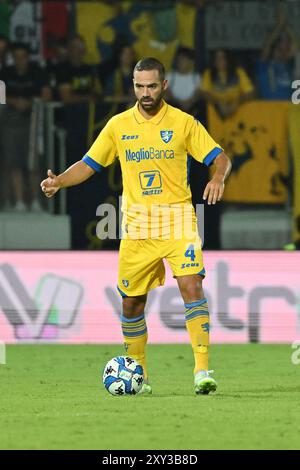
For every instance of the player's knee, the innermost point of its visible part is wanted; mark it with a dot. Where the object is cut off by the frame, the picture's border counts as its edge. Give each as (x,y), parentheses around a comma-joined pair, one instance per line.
(192,291)
(191,295)
(133,306)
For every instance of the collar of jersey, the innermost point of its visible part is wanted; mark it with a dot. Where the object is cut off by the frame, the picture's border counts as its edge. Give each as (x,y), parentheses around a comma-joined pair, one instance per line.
(155,119)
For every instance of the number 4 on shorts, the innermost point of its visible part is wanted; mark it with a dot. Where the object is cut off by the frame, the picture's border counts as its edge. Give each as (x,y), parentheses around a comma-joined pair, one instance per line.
(190,252)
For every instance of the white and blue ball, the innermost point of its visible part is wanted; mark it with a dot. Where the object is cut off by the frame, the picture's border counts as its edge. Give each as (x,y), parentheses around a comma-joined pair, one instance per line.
(123,375)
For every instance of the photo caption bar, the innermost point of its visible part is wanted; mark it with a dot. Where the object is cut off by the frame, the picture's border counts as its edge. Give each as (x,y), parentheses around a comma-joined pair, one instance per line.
(150,459)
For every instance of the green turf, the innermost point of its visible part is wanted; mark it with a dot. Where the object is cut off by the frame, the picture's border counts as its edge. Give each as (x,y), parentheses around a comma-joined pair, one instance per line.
(51,397)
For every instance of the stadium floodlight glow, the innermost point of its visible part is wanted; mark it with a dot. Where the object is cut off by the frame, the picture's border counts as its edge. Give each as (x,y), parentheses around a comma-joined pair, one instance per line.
(2,92)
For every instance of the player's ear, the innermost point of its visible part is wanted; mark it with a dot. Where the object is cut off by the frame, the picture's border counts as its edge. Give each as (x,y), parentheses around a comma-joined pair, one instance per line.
(165,84)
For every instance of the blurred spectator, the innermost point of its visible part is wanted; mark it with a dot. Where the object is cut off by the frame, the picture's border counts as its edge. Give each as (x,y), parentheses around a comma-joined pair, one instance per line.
(200,37)
(276,65)
(56,64)
(184,82)
(119,85)
(3,51)
(2,93)
(24,81)
(77,80)
(226,85)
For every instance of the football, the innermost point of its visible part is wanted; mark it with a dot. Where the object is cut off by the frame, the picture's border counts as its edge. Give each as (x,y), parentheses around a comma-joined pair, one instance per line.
(122,375)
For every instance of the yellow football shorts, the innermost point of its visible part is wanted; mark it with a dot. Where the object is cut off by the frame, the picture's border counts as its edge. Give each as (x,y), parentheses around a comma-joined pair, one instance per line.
(141,265)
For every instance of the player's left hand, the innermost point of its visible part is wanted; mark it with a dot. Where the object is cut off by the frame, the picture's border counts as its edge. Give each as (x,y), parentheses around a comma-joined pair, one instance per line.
(214,190)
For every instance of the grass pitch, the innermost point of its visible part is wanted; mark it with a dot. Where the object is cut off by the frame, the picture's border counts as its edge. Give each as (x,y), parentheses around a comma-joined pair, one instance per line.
(52,397)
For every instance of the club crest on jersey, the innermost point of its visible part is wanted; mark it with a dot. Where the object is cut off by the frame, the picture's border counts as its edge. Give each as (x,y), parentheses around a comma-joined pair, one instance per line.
(125,282)
(166,136)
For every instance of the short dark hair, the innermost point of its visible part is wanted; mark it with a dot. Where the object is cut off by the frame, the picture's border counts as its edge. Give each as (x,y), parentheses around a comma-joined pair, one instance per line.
(185,51)
(150,63)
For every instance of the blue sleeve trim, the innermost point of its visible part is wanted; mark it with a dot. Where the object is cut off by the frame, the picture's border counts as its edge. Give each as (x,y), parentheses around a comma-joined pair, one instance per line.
(212,155)
(122,293)
(92,163)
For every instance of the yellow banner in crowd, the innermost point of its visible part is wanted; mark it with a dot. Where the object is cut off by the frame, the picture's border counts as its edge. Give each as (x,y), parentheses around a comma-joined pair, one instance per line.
(294,133)
(91,19)
(256,140)
(146,44)
(186,18)
(100,24)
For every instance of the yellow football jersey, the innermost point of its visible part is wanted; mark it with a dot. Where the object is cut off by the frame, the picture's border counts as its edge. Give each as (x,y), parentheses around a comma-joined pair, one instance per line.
(155,156)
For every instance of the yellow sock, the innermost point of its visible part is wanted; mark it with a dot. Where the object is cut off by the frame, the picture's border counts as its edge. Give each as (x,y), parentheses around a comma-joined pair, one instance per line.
(197,323)
(135,339)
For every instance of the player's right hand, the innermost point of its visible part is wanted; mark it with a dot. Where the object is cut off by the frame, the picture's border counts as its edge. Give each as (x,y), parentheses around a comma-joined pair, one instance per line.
(50,185)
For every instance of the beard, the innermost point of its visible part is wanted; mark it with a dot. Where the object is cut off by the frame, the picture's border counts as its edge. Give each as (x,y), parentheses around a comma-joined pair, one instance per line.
(149,104)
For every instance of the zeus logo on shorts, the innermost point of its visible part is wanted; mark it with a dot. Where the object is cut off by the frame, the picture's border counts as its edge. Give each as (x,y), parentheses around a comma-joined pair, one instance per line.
(125,282)
(189,265)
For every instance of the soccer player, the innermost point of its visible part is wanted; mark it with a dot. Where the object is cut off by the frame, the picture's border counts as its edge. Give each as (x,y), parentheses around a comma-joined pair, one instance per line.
(154,143)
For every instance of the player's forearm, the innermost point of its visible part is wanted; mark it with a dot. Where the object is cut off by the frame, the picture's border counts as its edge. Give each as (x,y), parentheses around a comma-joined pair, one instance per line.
(223,166)
(75,174)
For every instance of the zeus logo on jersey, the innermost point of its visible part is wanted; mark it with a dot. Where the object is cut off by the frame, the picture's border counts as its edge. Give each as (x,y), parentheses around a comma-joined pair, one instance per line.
(166,136)
(129,137)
